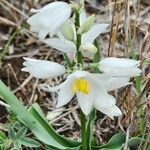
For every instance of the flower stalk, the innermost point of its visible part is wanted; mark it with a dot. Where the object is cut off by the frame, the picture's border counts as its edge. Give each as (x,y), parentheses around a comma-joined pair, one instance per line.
(78,42)
(83,130)
(79,61)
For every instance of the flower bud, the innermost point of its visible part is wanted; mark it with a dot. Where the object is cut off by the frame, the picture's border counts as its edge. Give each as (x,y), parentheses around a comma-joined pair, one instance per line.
(87,24)
(77,7)
(67,31)
(88,50)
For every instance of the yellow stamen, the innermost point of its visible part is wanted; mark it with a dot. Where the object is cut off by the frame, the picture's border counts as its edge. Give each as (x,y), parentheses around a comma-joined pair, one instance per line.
(81,85)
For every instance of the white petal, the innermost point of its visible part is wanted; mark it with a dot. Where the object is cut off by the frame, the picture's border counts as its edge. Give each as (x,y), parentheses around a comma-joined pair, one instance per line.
(34,28)
(94,32)
(122,72)
(101,97)
(61,45)
(85,102)
(69,79)
(120,67)
(119,62)
(43,69)
(53,5)
(115,83)
(83,16)
(65,94)
(80,74)
(61,11)
(111,111)
(33,20)
(43,33)
(100,77)
(50,18)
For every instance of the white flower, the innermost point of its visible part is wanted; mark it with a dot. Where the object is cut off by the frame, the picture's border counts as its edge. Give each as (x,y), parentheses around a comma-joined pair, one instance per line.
(120,67)
(49,19)
(87,38)
(91,91)
(43,69)
(62,45)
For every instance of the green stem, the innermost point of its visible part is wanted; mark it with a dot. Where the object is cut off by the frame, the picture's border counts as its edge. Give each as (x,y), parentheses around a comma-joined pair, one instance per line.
(5,49)
(83,130)
(68,62)
(98,54)
(78,42)
(79,61)
(97,57)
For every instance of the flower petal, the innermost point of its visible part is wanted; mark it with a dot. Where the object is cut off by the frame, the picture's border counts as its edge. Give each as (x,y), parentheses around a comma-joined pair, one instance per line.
(119,62)
(50,18)
(120,67)
(80,74)
(43,69)
(85,102)
(65,94)
(83,16)
(94,32)
(43,33)
(110,111)
(61,45)
(115,83)
(100,94)
(69,79)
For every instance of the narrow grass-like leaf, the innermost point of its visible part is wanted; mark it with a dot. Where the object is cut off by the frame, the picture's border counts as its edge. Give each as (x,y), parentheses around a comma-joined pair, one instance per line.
(12,134)
(138,84)
(29,142)
(114,143)
(36,111)
(91,119)
(21,133)
(2,136)
(26,118)
(134,141)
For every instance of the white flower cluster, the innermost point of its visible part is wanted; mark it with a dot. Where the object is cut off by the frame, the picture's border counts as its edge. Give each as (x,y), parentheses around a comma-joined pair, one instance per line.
(91,89)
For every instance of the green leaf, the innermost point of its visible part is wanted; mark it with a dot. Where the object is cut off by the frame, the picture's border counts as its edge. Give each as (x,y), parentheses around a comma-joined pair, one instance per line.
(133,54)
(2,136)
(54,148)
(91,119)
(29,142)
(12,134)
(115,143)
(138,80)
(134,141)
(97,57)
(26,118)
(36,111)
(21,133)
(16,145)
